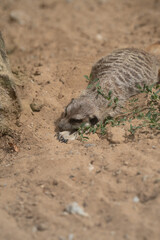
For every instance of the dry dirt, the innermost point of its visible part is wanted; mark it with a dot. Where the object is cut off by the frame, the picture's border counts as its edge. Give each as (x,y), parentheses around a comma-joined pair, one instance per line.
(52,44)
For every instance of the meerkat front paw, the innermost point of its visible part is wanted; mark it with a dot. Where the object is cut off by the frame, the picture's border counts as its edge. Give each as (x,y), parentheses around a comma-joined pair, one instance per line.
(66,136)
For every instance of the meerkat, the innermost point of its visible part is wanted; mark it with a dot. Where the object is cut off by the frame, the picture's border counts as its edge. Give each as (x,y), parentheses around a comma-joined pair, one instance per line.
(119,74)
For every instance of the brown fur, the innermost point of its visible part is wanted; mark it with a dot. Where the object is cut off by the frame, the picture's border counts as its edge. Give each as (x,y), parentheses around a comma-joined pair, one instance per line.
(119,72)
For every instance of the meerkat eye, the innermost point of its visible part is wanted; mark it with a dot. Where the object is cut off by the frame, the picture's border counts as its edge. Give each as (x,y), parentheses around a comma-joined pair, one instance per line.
(93,120)
(74,121)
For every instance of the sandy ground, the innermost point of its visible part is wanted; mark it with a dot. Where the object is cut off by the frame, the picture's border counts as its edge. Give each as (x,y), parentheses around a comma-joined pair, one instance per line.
(52,44)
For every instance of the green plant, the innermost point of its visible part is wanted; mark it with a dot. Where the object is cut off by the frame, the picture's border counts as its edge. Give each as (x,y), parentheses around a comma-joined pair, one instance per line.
(148,115)
(90,80)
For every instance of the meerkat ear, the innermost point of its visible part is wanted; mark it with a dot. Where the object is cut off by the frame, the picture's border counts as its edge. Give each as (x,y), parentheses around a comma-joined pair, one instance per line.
(93,120)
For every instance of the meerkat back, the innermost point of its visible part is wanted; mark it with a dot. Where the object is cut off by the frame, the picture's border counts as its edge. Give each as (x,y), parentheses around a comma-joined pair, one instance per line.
(124,69)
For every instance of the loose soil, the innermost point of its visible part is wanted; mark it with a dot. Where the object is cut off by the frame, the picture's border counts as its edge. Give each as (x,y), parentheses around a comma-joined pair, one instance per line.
(52,44)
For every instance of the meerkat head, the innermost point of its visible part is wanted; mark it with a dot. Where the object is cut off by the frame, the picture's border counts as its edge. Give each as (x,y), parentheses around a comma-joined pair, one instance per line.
(79,111)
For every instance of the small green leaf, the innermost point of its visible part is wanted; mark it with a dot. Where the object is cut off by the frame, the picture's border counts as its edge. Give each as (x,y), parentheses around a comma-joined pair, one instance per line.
(89,86)
(86,77)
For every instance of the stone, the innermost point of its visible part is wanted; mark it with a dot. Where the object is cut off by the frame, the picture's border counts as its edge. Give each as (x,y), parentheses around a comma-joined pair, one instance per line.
(74,208)
(136,199)
(36,105)
(19,16)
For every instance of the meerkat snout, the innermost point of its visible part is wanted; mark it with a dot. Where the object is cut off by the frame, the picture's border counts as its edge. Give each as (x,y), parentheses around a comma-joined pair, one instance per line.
(79,111)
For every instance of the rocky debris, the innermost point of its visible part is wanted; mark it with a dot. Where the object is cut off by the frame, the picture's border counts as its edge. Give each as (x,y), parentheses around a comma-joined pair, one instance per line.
(99,37)
(90,145)
(91,167)
(19,16)
(136,199)
(39,227)
(116,135)
(60,96)
(36,105)
(37,73)
(61,238)
(74,208)
(71,236)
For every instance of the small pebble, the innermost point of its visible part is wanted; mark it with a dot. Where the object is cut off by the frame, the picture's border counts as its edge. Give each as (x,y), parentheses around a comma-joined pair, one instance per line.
(19,16)
(36,105)
(41,227)
(89,145)
(136,199)
(125,163)
(55,182)
(144,178)
(126,236)
(74,208)
(99,37)
(157,180)
(113,233)
(61,238)
(91,167)
(71,236)
(34,229)
(116,173)
(37,73)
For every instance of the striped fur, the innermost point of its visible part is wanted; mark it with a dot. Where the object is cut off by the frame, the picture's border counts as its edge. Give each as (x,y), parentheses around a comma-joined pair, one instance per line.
(119,72)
